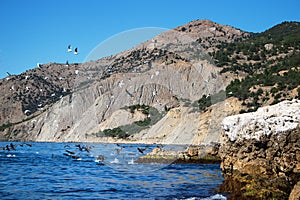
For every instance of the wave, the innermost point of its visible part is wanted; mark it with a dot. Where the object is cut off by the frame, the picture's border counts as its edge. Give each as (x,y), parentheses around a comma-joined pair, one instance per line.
(214,197)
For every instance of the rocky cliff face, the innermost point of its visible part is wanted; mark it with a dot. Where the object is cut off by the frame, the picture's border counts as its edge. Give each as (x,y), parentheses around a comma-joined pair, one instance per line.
(262,150)
(34,90)
(75,103)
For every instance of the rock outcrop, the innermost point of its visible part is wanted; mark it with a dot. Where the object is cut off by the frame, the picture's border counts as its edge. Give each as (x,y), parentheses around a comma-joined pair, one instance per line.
(262,151)
(295,194)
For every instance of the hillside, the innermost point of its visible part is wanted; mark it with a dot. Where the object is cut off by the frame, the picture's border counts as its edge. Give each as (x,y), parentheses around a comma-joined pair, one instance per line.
(271,62)
(166,90)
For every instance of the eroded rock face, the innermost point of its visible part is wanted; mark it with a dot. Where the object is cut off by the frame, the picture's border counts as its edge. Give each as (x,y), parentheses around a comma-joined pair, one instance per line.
(295,194)
(264,145)
(164,73)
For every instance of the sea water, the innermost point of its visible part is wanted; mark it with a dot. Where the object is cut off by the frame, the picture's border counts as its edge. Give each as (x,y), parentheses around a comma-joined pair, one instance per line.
(99,171)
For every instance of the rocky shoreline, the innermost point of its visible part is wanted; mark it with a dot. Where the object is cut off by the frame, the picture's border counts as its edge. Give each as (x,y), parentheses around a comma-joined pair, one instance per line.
(204,154)
(261,155)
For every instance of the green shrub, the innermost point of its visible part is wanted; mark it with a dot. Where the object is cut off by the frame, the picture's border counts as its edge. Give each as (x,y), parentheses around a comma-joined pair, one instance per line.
(115,132)
(144,122)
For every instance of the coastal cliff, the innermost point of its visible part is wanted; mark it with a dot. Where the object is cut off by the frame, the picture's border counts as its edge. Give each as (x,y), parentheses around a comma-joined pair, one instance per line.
(88,101)
(261,153)
(170,89)
(178,88)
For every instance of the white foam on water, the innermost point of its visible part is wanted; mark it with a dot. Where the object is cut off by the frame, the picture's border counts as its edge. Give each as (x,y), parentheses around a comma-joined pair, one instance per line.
(131,162)
(215,197)
(116,160)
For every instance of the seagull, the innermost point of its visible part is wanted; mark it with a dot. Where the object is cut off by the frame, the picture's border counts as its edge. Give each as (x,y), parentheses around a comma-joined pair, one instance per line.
(76,51)
(118,150)
(141,150)
(100,158)
(69,48)
(30,145)
(67,64)
(27,112)
(12,146)
(70,152)
(39,65)
(7,148)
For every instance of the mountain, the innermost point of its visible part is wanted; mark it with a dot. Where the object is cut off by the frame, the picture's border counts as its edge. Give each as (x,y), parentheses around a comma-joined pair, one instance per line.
(170,89)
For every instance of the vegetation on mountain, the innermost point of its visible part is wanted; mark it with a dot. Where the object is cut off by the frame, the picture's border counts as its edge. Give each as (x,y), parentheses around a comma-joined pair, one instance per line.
(208,100)
(125,131)
(271,61)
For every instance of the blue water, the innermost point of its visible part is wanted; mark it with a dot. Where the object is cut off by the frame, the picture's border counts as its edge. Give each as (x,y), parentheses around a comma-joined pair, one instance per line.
(47,171)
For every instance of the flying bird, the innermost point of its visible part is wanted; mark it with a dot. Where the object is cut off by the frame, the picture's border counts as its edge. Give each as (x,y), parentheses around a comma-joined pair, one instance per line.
(79,147)
(141,150)
(30,145)
(69,48)
(70,152)
(76,51)
(27,112)
(13,146)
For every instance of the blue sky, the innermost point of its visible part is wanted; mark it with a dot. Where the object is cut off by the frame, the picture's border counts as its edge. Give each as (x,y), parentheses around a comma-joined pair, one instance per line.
(38,31)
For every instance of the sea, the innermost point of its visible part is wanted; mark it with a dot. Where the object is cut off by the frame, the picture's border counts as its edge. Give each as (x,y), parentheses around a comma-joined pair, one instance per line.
(37,170)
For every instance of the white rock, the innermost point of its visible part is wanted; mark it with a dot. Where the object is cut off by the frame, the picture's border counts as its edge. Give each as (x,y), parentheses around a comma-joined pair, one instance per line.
(267,120)
(121,83)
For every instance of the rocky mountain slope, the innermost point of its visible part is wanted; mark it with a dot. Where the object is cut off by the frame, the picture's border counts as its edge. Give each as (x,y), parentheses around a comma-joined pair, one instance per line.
(166,90)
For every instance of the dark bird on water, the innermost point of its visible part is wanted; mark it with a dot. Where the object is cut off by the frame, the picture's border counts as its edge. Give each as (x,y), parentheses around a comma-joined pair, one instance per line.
(75,157)
(100,158)
(7,148)
(71,156)
(87,148)
(83,148)
(79,147)
(13,146)
(30,145)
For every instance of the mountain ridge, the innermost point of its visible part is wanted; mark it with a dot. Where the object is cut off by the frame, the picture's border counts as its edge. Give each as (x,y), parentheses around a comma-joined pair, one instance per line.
(147,74)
